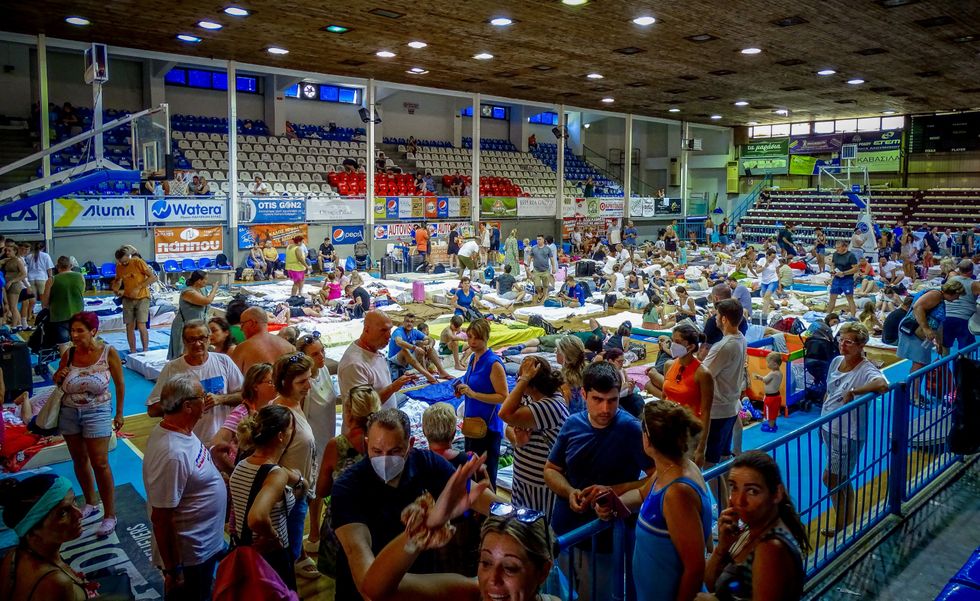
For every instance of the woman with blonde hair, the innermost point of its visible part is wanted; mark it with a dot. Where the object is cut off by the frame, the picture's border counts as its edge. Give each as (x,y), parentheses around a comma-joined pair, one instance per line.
(570,354)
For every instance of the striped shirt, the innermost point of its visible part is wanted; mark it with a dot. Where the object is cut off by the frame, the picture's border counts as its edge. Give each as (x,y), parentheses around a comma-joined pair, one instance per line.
(241,485)
(549,416)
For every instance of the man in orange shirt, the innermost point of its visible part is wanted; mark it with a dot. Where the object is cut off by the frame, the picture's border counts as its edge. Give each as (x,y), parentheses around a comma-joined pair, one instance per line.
(422,244)
(132,283)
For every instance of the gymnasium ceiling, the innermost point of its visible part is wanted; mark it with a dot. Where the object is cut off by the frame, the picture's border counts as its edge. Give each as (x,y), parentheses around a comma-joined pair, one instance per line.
(914,55)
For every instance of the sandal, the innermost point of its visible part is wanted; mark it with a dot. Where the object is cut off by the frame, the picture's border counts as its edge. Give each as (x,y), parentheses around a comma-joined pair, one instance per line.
(305,568)
(107,527)
(89,510)
(311,546)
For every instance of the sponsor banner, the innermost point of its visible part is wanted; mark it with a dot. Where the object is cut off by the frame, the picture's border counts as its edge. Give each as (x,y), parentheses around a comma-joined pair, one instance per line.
(498,206)
(281,234)
(261,209)
(570,223)
(802,164)
(774,147)
(455,207)
(99,213)
(815,144)
(184,210)
(187,242)
(761,165)
(406,207)
(575,206)
(395,231)
(430,208)
(347,234)
(19,222)
(465,207)
(879,160)
(610,207)
(643,207)
(442,207)
(535,207)
(670,207)
(420,207)
(875,141)
(321,208)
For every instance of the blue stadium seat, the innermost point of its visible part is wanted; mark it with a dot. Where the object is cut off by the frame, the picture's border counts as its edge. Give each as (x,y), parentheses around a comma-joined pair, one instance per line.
(203,263)
(171,266)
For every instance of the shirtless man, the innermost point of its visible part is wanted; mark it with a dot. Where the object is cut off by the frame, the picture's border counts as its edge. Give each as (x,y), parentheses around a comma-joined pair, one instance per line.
(450,339)
(260,346)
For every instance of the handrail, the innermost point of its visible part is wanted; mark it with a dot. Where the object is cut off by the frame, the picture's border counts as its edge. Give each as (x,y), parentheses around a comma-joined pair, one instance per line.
(742,209)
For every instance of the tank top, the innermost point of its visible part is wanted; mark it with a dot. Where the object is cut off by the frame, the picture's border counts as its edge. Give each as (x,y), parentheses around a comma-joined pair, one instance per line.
(347,456)
(292,263)
(477,377)
(735,581)
(935,316)
(240,485)
(88,386)
(681,387)
(966,305)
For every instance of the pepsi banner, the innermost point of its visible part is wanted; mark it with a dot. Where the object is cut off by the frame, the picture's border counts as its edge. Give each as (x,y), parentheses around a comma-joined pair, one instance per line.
(183,210)
(346,234)
(420,207)
(265,209)
(19,222)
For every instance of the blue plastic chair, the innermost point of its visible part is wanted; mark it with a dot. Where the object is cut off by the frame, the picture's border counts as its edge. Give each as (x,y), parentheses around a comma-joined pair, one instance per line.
(188,265)
(171,266)
(282,258)
(203,263)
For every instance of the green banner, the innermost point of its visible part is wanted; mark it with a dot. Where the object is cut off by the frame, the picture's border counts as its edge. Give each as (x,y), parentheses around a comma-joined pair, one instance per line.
(879,160)
(775,147)
(498,206)
(762,165)
(801,164)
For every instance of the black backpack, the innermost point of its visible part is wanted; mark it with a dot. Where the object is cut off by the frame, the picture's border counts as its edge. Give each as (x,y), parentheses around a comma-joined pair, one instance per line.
(540,322)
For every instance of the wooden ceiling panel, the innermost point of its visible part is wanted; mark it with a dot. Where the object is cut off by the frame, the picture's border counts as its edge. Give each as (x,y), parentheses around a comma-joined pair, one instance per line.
(938,37)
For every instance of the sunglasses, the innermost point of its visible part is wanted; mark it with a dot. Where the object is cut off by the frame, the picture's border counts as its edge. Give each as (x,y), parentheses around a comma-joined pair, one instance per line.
(309,338)
(295,358)
(521,514)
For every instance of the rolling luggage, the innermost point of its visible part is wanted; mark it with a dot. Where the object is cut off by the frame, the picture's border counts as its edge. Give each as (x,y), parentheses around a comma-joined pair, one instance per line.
(418,291)
(584,269)
(18,377)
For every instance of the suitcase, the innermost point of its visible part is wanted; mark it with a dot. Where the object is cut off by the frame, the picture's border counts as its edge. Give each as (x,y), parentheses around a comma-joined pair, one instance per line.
(418,291)
(389,265)
(584,269)
(18,377)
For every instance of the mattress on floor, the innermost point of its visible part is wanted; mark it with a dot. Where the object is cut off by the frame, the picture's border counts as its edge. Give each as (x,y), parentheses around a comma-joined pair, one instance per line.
(333,334)
(614,321)
(558,313)
(148,364)
(500,335)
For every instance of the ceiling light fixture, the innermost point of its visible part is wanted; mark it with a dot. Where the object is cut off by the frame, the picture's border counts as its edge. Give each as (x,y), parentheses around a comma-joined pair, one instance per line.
(277,50)
(190,39)
(574,2)
(79,21)
(483,56)
(752,123)
(385,54)
(417,71)
(856,81)
(645,21)
(236,11)
(674,110)
(742,103)
(825,72)
(594,76)
(609,100)
(336,29)
(417,45)
(587,125)
(501,21)
(209,25)
(781,112)
(751,50)
(715,117)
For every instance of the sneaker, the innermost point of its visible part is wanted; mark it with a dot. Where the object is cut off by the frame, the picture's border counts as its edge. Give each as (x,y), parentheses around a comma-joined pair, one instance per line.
(107,527)
(768,428)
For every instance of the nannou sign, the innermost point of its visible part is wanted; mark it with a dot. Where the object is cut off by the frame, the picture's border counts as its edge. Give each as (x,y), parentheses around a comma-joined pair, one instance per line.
(180,243)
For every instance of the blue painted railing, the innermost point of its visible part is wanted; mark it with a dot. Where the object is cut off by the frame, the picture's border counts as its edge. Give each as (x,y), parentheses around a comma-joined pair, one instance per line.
(904,452)
(747,201)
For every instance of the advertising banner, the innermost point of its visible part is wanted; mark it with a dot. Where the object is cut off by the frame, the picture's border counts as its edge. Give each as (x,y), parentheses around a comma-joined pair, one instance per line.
(346,234)
(875,141)
(406,207)
(573,206)
(431,208)
(442,207)
(320,208)
(774,147)
(800,164)
(184,210)
(19,222)
(187,242)
(535,207)
(570,223)
(610,207)
(879,160)
(281,234)
(815,144)
(99,213)
(762,165)
(498,206)
(261,209)
(396,231)
(667,207)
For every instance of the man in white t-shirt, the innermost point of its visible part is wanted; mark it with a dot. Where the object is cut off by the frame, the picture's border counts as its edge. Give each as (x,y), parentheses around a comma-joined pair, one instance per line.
(469,257)
(614,234)
(726,363)
(185,494)
(362,362)
(218,374)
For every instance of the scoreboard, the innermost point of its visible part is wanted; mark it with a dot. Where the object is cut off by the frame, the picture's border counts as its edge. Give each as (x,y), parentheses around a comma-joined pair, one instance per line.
(945,133)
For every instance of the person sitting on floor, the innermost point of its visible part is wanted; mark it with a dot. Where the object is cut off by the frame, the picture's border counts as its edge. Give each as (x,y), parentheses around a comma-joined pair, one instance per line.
(450,340)
(409,347)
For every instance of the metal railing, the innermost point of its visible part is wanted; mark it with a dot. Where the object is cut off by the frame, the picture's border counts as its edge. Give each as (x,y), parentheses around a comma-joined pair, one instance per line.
(747,201)
(896,442)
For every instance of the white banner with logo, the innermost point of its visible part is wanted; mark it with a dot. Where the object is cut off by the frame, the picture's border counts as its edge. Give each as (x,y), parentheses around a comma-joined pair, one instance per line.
(99,213)
(185,210)
(535,207)
(334,209)
(643,207)
(610,207)
(180,243)
(19,222)
(396,231)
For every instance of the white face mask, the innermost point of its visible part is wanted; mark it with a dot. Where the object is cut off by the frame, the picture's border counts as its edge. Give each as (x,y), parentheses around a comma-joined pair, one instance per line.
(677,350)
(388,467)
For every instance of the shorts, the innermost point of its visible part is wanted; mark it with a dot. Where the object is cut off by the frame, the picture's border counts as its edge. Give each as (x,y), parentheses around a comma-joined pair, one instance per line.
(467,262)
(543,280)
(91,421)
(788,248)
(910,347)
(549,342)
(136,310)
(956,329)
(296,276)
(719,444)
(25,294)
(772,403)
(768,288)
(844,285)
(842,453)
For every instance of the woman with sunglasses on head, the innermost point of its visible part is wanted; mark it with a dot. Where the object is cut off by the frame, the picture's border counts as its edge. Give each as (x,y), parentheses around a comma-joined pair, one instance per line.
(674,523)
(257,392)
(685,380)
(191,304)
(515,554)
(763,560)
(320,408)
(341,452)
(292,375)
(260,520)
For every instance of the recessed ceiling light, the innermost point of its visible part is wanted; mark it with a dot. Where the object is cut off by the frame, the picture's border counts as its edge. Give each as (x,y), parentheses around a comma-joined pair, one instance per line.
(574,2)
(781,112)
(417,71)
(336,29)
(741,103)
(856,81)
(751,50)
(587,125)
(826,72)
(594,75)
(501,21)
(190,39)
(887,112)
(277,50)
(417,45)
(483,56)
(715,117)
(752,123)
(674,110)
(209,25)
(609,100)
(80,21)
(644,21)
(236,11)
(385,54)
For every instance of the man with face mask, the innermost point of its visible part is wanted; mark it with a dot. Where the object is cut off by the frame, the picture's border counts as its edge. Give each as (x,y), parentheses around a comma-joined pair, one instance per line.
(368,499)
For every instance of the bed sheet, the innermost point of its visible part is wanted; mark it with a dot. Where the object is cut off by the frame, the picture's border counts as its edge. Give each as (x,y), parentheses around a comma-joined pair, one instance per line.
(500,334)
(148,364)
(558,313)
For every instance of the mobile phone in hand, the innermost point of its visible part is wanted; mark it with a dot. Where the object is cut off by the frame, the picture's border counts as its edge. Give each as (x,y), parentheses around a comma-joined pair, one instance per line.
(609,500)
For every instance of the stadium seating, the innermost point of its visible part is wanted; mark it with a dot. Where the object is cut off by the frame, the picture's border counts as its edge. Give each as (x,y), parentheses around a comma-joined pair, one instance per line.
(512,173)
(577,169)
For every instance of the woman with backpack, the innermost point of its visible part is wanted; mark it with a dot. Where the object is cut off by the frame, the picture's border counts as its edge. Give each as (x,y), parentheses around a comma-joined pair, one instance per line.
(262,491)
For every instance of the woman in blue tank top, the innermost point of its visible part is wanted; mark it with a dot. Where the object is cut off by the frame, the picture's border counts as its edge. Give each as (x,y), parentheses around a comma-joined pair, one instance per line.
(675,511)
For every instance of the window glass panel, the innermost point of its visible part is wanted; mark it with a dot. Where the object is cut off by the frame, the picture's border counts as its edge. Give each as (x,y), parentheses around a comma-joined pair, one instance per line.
(763,131)
(177,76)
(844,125)
(348,95)
(292,91)
(892,122)
(780,130)
(247,84)
(220,81)
(329,93)
(869,124)
(823,127)
(198,79)
(800,129)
